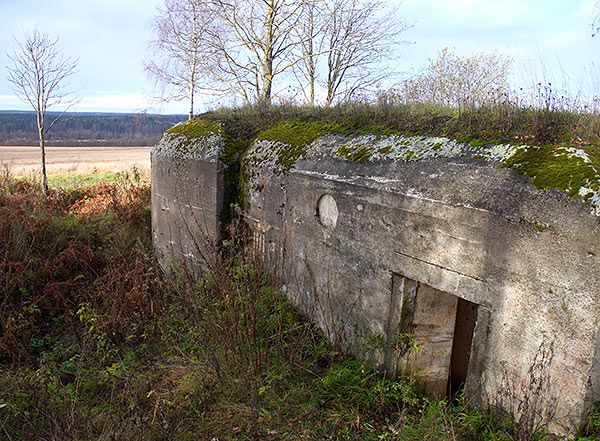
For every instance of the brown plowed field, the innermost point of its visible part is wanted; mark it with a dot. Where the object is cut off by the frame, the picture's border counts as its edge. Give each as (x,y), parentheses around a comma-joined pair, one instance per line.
(73,160)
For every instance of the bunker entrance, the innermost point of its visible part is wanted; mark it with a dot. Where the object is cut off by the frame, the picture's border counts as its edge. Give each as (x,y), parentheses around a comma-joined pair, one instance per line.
(441,326)
(466,317)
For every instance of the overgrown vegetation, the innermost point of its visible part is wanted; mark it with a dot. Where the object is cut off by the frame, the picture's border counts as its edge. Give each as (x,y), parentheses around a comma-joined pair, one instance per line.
(96,344)
(456,81)
(501,122)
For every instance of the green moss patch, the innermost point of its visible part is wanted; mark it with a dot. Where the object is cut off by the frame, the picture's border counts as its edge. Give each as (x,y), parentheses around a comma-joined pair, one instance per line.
(288,155)
(196,128)
(298,133)
(356,153)
(293,137)
(190,137)
(572,170)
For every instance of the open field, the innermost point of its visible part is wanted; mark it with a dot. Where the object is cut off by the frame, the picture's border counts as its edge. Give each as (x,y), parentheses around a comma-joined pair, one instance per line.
(73,160)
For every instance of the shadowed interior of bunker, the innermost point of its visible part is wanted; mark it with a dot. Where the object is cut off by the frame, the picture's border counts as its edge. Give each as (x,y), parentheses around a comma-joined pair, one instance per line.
(436,330)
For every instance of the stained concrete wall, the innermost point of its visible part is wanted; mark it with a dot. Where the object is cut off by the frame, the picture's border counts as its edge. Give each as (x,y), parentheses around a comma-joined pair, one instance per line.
(187,201)
(341,232)
(365,248)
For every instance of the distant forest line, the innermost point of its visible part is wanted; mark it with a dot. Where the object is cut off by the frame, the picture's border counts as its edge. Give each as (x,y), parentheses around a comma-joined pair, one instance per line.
(87,129)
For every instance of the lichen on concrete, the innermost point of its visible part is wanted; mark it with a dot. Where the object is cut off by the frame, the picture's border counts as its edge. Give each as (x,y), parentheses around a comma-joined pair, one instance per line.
(570,169)
(498,152)
(397,147)
(281,155)
(192,139)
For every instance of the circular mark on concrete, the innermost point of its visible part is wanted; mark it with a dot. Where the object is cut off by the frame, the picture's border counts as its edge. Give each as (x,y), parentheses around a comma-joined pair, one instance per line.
(327,211)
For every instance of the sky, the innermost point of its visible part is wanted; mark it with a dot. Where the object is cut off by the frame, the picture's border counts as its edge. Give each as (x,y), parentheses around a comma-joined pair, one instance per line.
(548,41)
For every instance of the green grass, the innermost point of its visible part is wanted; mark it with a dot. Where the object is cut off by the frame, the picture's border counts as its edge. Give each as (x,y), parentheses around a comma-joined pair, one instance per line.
(71,181)
(499,123)
(74,181)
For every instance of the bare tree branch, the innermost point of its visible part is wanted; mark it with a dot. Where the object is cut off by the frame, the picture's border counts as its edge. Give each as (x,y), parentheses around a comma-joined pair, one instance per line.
(353,41)
(181,49)
(38,75)
(260,40)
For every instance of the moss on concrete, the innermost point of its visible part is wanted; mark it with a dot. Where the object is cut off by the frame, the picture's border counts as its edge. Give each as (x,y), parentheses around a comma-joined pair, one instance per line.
(572,170)
(196,128)
(183,137)
(357,153)
(298,133)
(292,139)
(568,169)
(287,155)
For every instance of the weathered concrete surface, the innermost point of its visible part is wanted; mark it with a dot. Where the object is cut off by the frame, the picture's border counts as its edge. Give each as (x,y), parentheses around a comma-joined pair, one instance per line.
(420,243)
(354,243)
(187,200)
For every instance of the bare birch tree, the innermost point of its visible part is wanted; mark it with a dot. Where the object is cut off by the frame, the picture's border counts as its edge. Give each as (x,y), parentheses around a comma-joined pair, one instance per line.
(255,44)
(357,40)
(310,33)
(361,44)
(239,47)
(180,48)
(38,75)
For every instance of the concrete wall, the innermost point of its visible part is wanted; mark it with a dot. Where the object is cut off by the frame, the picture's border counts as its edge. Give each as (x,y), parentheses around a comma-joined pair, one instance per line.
(187,200)
(343,235)
(496,281)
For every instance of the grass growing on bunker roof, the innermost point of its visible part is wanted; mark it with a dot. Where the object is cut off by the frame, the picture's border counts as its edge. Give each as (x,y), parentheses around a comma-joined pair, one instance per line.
(500,123)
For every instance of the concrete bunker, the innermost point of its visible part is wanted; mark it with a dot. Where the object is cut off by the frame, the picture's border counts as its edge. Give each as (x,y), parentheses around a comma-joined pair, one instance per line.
(414,242)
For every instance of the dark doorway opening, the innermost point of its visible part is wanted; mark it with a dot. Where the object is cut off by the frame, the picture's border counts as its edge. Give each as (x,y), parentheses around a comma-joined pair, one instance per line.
(466,318)
(441,326)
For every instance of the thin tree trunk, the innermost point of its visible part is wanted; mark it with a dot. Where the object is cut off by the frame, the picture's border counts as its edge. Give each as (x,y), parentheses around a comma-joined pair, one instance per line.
(330,95)
(191,114)
(267,74)
(44,179)
(311,57)
(311,72)
(267,82)
(312,82)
